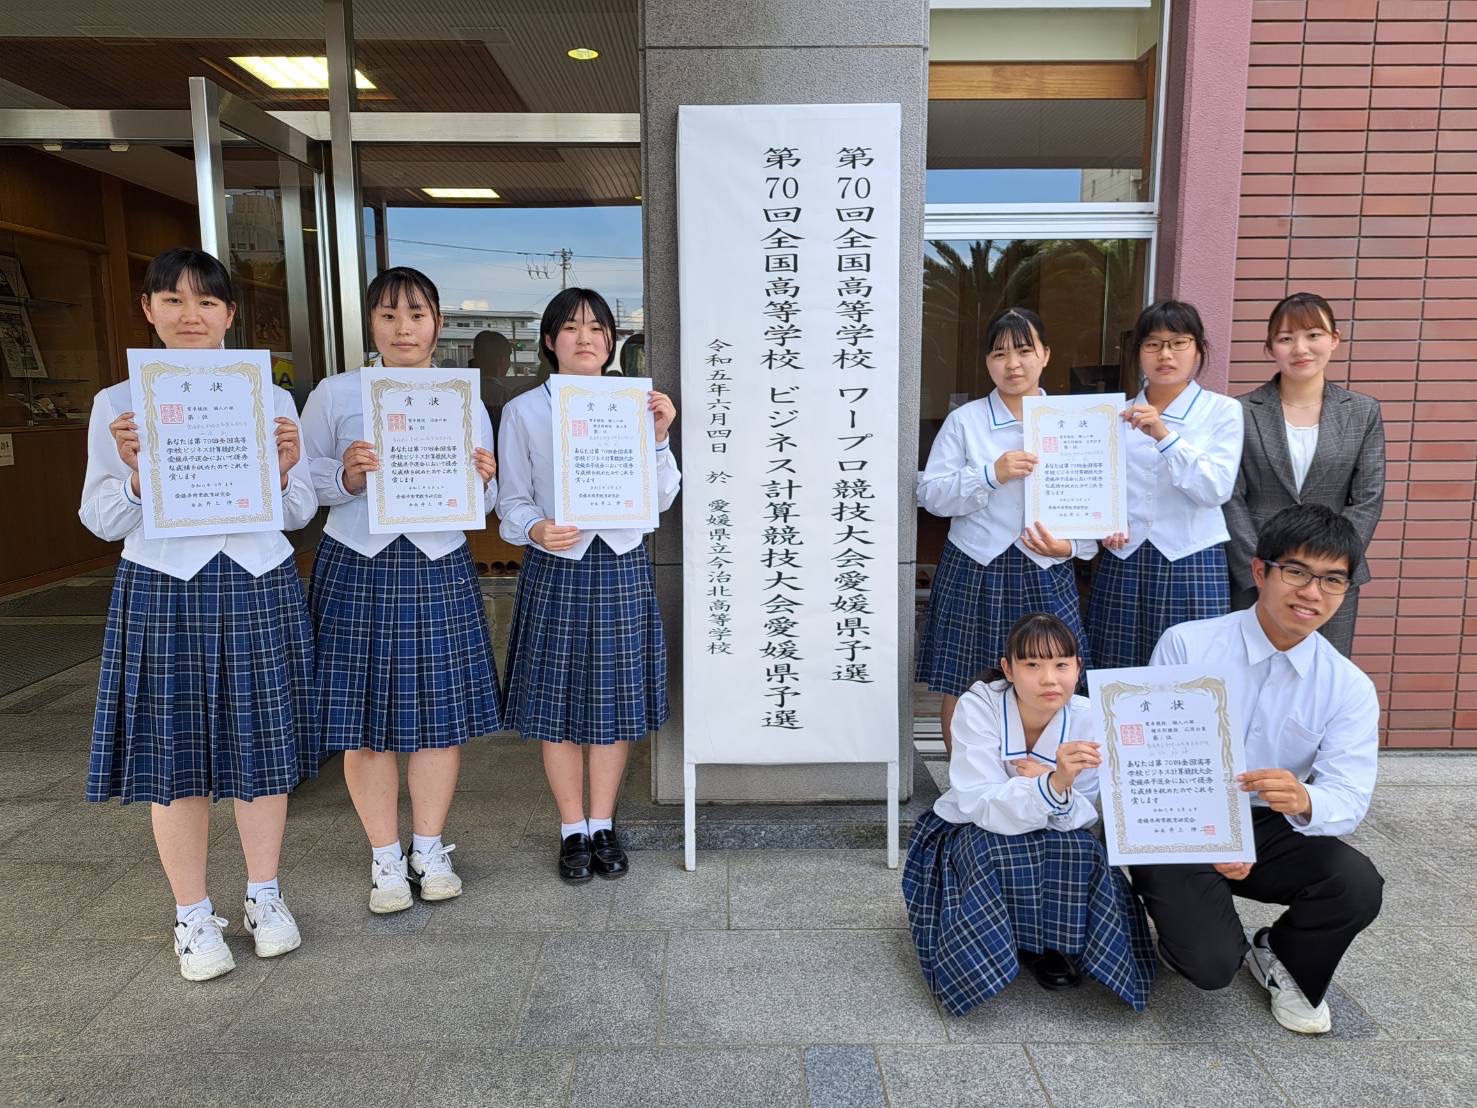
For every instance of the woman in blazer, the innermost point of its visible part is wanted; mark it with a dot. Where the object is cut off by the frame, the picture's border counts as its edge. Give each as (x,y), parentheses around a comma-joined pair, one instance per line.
(1307,442)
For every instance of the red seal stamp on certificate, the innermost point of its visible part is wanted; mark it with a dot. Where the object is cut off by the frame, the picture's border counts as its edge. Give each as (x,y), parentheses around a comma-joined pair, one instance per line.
(171,413)
(243,503)
(1131,734)
(1209,830)
(579,428)
(397,421)
(1050,444)
(451,502)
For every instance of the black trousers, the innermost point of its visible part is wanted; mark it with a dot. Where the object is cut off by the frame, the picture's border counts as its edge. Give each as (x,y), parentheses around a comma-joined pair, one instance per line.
(1332,893)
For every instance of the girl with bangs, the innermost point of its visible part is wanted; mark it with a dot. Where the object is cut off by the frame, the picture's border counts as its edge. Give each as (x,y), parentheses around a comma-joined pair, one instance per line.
(1170,567)
(206,685)
(991,571)
(587,662)
(1004,871)
(1308,441)
(405,658)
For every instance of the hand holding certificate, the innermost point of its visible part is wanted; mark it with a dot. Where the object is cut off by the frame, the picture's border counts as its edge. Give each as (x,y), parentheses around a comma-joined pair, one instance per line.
(207,462)
(604,452)
(1172,755)
(422,424)
(1078,488)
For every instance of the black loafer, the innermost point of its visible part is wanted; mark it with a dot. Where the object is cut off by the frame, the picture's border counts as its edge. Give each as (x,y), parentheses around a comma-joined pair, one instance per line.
(575,859)
(610,859)
(1053,969)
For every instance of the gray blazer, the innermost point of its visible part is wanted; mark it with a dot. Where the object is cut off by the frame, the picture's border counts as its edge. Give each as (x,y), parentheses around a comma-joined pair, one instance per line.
(1347,474)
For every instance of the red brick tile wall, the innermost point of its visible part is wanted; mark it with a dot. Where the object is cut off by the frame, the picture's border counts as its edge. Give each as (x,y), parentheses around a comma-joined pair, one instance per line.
(1359,181)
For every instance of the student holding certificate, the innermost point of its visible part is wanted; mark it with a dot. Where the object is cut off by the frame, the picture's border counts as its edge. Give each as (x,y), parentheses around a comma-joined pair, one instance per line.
(1182,462)
(405,660)
(205,690)
(1004,871)
(1311,722)
(587,661)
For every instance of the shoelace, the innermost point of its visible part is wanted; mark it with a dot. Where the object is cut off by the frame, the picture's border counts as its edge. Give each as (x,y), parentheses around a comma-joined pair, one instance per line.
(198,930)
(388,870)
(437,861)
(271,912)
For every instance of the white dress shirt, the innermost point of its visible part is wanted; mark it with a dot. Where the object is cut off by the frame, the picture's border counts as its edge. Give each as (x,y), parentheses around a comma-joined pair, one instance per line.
(525,469)
(1309,710)
(333,418)
(986,790)
(111,511)
(1176,487)
(959,482)
(1302,444)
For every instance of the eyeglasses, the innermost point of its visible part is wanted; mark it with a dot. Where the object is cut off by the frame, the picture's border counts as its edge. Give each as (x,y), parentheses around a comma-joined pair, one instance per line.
(1153,346)
(1334,584)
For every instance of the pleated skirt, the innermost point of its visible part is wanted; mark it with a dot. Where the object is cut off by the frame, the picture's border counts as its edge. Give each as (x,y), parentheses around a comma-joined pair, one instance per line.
(205,687)
(1136,599)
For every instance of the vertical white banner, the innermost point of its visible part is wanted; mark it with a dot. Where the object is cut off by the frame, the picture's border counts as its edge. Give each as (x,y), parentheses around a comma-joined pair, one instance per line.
(788,229)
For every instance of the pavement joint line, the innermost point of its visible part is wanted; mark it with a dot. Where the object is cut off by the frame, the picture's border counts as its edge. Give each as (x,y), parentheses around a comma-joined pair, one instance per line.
(1036,1072)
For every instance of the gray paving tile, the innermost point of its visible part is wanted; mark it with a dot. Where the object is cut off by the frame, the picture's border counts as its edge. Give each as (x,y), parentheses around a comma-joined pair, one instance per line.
(329,895)
(752,1077)
(53,989)
(603,988)
(16,816)
(48,731)
(1160,1076)
(843,1077)
(959,1077)
(81,830)
(140,904)
(36,774)
(1239,1013)
(1417,891)
(434,991)
(1415,982)
(368,1079)
(1456,768)
(507,1077)
(1316,1074)
(1024,1012)
(813,889)
(796,987)
(659,893)
(37,900)
(519,891)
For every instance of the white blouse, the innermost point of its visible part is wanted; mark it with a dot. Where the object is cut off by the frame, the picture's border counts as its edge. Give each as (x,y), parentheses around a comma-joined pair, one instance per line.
(111,511)
(333,418)
(986,790)
(525,467)
(1302,442)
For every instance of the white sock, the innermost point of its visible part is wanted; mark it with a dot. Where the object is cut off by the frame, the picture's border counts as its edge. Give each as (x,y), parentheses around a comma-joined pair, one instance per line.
(568,829)
(254,889)
(424,844)
(599,825)
(182,912)
(392,852)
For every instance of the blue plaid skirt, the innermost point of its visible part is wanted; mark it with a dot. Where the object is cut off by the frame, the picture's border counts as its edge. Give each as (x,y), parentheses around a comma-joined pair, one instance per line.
(587,661)
(1136,599)
(404,655)
(971,609)
(974,898)
(206,686)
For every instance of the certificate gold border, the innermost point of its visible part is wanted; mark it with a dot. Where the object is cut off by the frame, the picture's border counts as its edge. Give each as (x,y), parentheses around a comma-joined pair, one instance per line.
(567,393)
(151,372)
(1115,458)
(463,391)
(1217,688)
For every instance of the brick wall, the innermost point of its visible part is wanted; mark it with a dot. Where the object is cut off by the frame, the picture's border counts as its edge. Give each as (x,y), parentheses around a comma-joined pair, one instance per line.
(1359,181)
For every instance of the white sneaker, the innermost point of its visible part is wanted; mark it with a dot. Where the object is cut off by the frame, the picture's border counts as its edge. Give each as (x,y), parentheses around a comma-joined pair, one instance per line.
(433,873)
(1289,1006)
(202,948)
(390,891)
(271,925)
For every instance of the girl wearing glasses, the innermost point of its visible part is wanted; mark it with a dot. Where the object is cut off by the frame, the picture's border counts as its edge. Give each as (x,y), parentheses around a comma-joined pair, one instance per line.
(1308,441)
(1182,462)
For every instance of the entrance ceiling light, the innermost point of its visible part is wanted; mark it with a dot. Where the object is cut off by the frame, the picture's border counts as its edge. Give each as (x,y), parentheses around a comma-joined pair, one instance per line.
(461,194)
(295,73)
(584,54)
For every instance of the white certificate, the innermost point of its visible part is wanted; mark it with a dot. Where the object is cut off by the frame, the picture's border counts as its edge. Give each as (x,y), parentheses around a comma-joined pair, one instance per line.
(1078,489)
(1171,755)
(604,452)
(422,424)
(207,462)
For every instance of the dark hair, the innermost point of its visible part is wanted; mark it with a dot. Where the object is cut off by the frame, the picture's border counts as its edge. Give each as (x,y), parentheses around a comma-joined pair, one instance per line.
(1014,327)
(565,307)
(391,284)
(1312,529)
(1035,635)
(1174,316)
(183,266)
(1302,311)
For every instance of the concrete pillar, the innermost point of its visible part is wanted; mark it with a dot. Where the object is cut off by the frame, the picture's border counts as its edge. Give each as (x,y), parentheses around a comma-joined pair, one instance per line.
(767,52)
